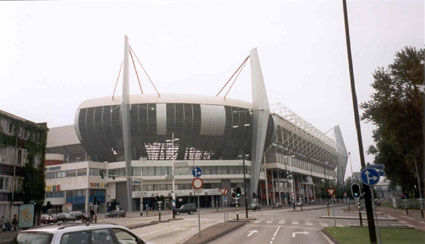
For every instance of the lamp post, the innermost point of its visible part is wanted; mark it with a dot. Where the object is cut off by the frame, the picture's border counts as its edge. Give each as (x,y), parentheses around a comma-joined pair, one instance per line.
(420,190)
(173,193)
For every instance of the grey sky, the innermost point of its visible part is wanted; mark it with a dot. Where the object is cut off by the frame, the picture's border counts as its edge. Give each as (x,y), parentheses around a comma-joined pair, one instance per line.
(54,55)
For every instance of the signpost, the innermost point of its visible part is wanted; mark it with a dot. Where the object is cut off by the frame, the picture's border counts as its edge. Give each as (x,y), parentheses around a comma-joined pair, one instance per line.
(370,177)
(223,192)
(197,184)
(331,192)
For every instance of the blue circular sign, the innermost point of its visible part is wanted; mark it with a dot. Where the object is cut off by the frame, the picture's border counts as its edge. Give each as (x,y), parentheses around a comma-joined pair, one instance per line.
(370,176)
(196,172)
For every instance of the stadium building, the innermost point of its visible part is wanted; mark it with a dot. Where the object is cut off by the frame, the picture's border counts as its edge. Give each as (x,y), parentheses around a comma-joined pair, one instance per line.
(284,155)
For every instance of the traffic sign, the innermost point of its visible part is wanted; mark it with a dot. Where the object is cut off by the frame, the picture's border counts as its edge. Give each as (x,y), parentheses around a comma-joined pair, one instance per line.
(223,191)
(197,183)
(331,192)
(369,176)
(196,172)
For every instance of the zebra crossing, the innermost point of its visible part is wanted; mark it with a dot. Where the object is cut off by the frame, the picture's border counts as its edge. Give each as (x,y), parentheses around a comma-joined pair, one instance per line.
(295,222)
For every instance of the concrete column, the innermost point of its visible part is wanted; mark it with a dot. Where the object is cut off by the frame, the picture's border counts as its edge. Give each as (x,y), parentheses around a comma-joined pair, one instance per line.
(212,202)
(278,187)
(87,201)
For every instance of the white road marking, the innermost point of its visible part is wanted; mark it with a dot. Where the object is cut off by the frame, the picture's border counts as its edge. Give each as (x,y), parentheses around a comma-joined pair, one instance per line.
(282,221)
(288,226)
(269,221)
(407,217)
(324,224)
(294,222)
(308,223)
(422,222)
(275,233)
(252,232)
(297,233)
(153,232)
(257,221)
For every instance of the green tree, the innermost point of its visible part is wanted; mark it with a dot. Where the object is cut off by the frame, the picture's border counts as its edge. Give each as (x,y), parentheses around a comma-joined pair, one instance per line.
(396,109)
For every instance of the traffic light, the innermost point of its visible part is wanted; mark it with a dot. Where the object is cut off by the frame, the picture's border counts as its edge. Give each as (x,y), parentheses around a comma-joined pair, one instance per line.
(355,190)
(238,191)
(233,193)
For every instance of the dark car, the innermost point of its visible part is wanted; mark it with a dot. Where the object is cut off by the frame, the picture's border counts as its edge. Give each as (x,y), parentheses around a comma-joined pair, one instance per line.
(115,214)
(188,208)
(64,217)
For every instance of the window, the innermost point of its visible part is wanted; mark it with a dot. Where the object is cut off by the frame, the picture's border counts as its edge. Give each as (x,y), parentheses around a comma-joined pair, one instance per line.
(81,237)
(93,171)
(60,174)
(70,173)
(81,172)
(125,237)
(102,237)
(51,175)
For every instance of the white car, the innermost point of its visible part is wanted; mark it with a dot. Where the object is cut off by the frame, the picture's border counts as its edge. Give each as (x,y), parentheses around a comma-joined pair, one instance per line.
(78,234)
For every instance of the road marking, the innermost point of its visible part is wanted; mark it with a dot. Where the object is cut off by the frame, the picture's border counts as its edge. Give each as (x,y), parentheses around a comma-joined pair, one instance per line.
(252,232)
(282,221)
(153,232)
(297,233)
(257,221)
(294,222)
(269,221)
(288,226)
(275,233)
(324,224)
(407,217)
(422,222)
(308,223)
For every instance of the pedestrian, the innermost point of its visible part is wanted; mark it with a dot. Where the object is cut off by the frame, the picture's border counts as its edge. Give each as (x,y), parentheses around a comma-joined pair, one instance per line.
(15,223)
(91,214)
(1,223)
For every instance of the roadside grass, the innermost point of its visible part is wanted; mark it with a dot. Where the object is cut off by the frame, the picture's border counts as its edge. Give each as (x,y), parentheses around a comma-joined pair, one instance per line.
(360,235)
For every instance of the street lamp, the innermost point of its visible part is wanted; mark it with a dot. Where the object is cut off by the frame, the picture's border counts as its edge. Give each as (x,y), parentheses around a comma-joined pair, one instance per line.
(244,171)
(173,194)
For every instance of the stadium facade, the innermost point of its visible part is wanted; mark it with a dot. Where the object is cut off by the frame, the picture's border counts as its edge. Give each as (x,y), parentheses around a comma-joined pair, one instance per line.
(285,156)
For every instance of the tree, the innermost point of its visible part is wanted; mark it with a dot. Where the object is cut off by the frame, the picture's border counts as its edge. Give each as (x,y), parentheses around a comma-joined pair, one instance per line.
(396,109)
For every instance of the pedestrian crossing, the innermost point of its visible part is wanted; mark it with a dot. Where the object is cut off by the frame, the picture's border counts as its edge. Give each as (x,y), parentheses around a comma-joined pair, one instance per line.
(296,222)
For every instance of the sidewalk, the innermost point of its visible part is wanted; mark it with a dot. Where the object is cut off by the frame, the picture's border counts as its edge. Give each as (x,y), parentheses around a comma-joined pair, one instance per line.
(414,219)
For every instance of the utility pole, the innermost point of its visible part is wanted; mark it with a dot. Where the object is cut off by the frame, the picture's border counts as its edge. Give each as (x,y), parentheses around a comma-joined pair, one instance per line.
(366,188)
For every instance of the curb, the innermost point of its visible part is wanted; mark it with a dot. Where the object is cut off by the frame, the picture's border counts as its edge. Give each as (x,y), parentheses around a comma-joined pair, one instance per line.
(217,235)
(329,236)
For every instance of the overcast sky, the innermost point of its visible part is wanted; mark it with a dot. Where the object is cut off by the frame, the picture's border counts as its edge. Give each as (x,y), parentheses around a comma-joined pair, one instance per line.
(55,55)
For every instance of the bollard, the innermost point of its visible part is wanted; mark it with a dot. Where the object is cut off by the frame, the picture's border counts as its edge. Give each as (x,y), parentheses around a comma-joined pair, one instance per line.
(159,215)
(237,215)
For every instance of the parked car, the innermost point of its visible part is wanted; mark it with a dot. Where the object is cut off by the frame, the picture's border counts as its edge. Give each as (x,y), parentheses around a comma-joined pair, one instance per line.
(255,206)
(64,217)
(188,208)
(115,214)
(277,205)
(47,219)
(234,203)
(77,214)
(79,234)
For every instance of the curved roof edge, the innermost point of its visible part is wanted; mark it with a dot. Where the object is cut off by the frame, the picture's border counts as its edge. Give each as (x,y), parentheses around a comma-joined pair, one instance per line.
(166,98)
